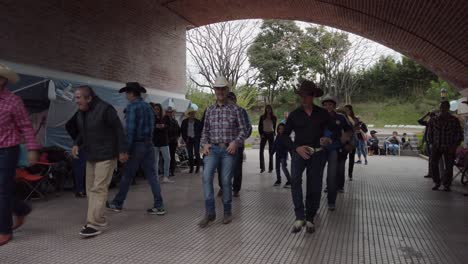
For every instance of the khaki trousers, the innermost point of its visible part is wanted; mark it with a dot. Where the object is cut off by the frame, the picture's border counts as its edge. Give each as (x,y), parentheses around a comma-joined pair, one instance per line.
(98,177)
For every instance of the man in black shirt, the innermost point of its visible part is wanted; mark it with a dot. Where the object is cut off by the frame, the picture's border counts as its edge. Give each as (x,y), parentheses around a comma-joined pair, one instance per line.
(309,122)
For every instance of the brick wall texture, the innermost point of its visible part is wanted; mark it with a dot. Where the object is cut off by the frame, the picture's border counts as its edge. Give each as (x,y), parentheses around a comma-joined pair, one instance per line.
(144,40)
(116,40)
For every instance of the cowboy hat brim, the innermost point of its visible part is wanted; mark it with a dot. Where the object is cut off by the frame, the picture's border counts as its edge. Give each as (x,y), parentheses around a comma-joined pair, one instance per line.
(132,89)
(9,74)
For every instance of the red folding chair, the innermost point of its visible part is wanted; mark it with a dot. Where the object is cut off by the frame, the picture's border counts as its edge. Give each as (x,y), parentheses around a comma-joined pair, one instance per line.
(36,181)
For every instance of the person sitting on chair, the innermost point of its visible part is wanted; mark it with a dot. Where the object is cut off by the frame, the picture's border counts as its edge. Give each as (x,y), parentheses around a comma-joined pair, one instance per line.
(393,143)
(405,141)
(373,143)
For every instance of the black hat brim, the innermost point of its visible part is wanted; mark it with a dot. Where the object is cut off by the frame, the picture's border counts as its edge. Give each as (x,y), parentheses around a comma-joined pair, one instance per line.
(132,89)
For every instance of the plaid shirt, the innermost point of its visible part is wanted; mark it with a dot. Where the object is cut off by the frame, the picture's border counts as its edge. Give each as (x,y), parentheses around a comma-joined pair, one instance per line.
(444,132)
(14,123)
(139,121)
(224,124)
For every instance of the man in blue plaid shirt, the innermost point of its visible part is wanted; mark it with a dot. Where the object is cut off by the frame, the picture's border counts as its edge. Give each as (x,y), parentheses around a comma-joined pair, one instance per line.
(139,119)
(224,131)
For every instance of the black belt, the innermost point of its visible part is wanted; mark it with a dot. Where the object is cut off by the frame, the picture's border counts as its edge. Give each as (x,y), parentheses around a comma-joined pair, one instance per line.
(143,140)
(221,145)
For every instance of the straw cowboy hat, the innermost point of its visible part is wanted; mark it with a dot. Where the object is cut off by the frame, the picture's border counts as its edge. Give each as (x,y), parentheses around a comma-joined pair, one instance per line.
(329,98)
(9,74)
(132,87)
(308,88)
(220,82)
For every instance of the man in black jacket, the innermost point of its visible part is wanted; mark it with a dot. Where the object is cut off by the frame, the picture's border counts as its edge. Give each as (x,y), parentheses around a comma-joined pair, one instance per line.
(101,135)
(191,129)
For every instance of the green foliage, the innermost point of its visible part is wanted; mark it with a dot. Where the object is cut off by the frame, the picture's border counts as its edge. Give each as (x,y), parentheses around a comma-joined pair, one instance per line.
(199,97)
(246,96)
(389,78)
(273,55)
(436,86)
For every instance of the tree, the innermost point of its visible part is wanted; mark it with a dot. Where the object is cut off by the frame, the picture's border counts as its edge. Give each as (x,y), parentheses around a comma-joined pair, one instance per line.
(221,49)
(273,55)
(321,56)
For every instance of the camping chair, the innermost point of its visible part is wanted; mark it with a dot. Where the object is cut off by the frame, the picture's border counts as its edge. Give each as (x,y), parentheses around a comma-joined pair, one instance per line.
(461,163)
(182,160)
(36,178)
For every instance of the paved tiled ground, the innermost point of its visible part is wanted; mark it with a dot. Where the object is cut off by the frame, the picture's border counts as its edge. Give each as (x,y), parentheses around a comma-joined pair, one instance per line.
(388,214)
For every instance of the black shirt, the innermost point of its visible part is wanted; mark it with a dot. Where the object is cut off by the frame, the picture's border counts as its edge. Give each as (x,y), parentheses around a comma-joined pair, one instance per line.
(161,135)
(308,129)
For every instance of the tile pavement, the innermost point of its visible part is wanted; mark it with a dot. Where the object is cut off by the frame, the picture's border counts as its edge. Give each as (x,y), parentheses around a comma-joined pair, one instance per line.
(388,214)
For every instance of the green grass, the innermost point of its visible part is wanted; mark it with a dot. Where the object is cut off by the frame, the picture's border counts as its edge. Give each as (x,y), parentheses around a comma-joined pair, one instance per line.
(390,112)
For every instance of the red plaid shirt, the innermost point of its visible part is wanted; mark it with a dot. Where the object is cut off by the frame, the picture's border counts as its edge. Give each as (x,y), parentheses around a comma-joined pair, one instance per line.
(14,123)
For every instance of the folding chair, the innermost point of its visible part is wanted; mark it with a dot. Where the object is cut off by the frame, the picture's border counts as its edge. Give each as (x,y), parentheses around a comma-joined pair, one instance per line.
(182,157)
(36,182)
(461,163)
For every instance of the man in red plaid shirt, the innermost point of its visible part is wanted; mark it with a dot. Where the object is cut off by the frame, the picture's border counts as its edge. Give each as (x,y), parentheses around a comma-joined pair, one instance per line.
(15,127)
(444,134)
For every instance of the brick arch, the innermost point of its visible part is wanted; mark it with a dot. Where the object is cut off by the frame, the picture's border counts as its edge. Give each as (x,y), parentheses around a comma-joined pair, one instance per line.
(433,32)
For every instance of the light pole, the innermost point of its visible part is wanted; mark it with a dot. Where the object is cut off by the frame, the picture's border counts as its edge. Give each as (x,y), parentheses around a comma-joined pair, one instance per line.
(443,94)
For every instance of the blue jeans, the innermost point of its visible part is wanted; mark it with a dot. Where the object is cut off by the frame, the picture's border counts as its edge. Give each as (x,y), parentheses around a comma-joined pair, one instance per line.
(166,157)
(393,148)
(332,176)
(362,149)
(79,172)
(218,158)
(282,163)
(9,204)
(142,154)
(314,174)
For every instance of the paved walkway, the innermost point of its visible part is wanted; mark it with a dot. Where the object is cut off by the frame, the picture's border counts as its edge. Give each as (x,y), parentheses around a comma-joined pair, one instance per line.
(389,214)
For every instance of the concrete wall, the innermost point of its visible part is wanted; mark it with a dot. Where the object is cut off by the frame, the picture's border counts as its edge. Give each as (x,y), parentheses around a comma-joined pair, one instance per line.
(114,40)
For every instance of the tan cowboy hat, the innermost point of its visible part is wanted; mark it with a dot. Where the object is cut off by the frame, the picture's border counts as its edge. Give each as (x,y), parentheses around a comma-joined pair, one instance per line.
(308,88)
(8,74)
(190,110)
(329,98)
(221,81)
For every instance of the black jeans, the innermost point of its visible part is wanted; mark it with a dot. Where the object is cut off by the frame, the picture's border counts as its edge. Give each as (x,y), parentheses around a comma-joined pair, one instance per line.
(9,204)
(193,149)
(282,163)
(449,158)
(351,163)
(340,171)
(314,172)
(172,151)
(270,137)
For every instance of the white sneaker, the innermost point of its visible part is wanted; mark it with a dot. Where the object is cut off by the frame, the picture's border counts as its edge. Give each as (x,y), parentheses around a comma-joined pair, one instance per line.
(297,226)
(166,180)
(310,227)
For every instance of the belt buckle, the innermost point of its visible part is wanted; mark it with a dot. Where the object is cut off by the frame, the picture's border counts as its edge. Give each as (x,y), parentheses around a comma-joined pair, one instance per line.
(313,150)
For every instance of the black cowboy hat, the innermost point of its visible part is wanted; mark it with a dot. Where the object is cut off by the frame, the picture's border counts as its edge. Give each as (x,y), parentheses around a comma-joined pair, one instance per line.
(132,87)
(373,132)
(308,88)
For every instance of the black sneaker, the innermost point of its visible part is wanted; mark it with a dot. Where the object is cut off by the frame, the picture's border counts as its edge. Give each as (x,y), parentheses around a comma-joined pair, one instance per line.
(436,187)
(156,211)
(427,176)
(113,207)
(277,183)
(88,231)
(331,207)
(358,162)
(340,190)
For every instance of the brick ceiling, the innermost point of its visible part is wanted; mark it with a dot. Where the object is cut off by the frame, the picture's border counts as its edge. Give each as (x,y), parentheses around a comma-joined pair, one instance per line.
(432,32)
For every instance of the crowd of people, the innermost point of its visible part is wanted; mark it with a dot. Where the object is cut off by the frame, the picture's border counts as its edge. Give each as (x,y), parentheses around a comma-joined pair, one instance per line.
(315,137)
